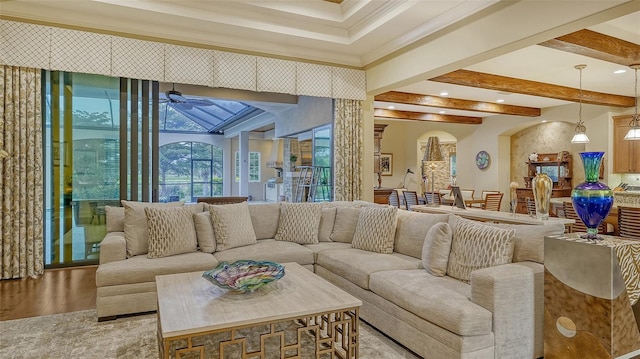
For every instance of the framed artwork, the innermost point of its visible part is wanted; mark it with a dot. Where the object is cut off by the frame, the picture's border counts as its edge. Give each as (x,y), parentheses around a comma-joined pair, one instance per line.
(386,164)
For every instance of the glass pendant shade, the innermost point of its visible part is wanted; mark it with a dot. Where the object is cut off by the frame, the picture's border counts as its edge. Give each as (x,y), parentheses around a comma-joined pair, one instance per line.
(580,137)
(634,131)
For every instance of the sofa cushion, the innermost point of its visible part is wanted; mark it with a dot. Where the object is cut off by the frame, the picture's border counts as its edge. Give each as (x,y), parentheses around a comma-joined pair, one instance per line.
(356,265)
(476,245)
(299,222)
(232,225)
(443,301)
(326,224)
(136,232)
(529,239)
(264,217)
(436,248)
(323,246)
(204,232)
(115,218)
(412,229)
(138,269)
(345,224)
(269,250)
(376,229)
(171,231)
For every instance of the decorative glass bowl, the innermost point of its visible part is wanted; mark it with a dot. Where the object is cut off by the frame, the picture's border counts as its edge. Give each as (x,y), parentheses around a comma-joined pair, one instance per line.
(244,275)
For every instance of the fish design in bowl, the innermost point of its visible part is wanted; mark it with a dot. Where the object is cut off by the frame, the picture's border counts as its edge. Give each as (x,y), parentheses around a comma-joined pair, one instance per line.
(244,275)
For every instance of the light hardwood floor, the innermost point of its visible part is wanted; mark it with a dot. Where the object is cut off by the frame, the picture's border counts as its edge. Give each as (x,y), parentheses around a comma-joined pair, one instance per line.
(57,291)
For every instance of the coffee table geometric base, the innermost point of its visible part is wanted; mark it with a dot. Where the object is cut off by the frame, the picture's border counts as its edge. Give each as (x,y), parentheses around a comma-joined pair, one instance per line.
(325,335)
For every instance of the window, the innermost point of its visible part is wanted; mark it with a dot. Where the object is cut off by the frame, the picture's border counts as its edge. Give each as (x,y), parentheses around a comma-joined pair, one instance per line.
(254,166)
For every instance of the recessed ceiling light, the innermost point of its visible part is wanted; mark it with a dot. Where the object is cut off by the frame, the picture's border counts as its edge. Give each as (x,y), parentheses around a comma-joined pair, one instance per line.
(621,71)
(391,107)
(500,101)
(444,93)
(544,121)
(442,112)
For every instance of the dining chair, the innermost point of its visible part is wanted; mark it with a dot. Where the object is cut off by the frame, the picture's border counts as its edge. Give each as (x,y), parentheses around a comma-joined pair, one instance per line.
(492,201)
(393,199)
(531,207)
(629,222)
(569,212)
(432,198)
(410,198)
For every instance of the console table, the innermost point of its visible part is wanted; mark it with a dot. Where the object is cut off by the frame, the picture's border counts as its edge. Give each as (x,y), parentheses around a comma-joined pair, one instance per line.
(591,292)
(492,216)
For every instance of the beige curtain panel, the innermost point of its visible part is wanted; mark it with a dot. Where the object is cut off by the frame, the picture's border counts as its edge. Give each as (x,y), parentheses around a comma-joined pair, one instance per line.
(21,175)
(348,152)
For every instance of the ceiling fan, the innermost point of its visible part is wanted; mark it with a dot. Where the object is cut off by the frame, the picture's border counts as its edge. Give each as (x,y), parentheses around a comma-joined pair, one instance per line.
(175,99)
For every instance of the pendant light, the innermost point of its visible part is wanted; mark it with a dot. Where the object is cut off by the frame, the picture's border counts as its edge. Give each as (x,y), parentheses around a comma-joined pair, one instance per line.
(580,135)
(634,131)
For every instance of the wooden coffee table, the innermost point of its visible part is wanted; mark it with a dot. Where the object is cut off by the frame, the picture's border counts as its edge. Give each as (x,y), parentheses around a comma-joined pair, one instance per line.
(190,307)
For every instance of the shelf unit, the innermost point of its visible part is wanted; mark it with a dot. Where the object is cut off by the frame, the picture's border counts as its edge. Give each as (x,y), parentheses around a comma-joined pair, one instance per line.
(558,166)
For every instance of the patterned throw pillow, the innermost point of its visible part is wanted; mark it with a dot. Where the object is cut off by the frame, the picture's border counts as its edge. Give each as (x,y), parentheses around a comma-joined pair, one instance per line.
(376,229)
(171,231)
(299,222)
(136,233)
(476,246)
(232,225)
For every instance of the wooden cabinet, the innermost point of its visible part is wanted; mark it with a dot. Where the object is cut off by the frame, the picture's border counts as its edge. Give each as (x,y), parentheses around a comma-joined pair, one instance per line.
(523,193)
(381,195)
(378,129)
(558,166)
(626,154)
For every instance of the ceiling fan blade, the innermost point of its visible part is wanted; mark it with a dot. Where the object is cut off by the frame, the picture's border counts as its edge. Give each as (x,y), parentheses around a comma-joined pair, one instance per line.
(185,106)
(199,102)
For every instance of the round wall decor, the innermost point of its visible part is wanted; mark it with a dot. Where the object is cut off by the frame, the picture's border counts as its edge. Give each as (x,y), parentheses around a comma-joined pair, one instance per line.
(483,160)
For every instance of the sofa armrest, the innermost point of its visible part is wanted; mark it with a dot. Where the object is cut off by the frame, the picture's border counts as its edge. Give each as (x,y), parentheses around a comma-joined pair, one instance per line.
(113,248)
(514,294)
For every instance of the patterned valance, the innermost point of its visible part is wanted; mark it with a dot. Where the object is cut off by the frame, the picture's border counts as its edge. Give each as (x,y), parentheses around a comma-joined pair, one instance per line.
(53,48)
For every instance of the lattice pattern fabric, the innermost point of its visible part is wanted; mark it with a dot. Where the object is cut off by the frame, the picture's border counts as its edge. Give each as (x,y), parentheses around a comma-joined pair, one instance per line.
(136,232)
(299,222)
(171,231)
(476,246)
(232,225)
(376,229)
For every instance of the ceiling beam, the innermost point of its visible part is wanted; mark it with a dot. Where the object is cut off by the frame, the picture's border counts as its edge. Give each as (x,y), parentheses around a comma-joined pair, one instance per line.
(422,116)
(456,104)
(533,88)
(598,46)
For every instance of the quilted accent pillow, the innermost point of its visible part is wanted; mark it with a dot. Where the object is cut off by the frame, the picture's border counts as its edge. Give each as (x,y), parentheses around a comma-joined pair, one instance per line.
(136,233)
(232,225)
(299,222)
(436,248)
(204,232)
(171,231)
(376,229)
(476,246)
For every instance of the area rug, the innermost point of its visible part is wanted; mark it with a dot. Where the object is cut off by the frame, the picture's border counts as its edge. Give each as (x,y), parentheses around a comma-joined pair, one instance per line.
(79,335)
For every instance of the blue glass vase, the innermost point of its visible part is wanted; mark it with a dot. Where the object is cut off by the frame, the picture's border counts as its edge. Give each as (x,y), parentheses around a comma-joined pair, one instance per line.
(592,199)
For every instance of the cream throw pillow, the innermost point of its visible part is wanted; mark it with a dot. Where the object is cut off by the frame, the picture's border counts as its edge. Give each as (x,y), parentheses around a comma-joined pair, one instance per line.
(345,224)
(326,224)
(115,218)
(436,248)
(476,246)
(376,229)
(204,232)
(232,225)
(136,233)
(171,231)
(299,222)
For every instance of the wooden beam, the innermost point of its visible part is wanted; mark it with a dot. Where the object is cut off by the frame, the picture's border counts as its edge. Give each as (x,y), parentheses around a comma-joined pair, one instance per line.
(533,88)
(423,116)
(598,46)
(457,104)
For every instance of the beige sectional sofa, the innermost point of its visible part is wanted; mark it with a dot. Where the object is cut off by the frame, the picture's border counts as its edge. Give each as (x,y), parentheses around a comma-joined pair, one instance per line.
(415,294)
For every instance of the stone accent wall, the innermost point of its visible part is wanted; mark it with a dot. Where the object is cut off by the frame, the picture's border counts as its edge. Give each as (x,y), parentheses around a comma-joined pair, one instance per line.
(442,174)
(290,147)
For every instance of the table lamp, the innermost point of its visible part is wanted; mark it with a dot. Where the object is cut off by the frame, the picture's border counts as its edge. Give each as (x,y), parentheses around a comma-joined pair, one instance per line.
(432,156)
(404,181)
